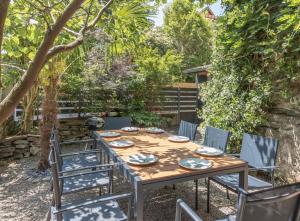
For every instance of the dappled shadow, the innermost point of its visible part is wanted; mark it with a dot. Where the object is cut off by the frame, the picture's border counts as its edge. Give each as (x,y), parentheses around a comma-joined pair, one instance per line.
(22,198)
(169,155)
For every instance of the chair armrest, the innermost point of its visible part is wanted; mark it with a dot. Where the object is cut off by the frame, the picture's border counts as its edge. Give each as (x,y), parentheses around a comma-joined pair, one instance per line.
(77,141)
(181,205)
(233,154)
(103,199)
(86,168)
(241,190)
(263,168)
(80,152)
(109,170)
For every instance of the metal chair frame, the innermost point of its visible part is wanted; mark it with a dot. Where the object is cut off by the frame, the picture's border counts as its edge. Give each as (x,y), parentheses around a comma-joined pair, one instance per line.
(251,199)
(269,169)
(56,145)
(56,207)
(209,133)
(188,129)
(116,123)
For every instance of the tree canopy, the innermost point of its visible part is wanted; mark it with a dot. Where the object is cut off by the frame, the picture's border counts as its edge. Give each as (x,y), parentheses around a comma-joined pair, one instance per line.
(190,33)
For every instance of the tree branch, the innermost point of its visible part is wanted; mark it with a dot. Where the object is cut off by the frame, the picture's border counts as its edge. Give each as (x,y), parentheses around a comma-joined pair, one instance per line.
(72,31)
(13,66)
(30,76)
(94,22)
(62,48)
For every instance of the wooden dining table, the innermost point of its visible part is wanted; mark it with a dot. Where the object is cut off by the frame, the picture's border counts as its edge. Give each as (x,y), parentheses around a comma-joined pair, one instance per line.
(167,170)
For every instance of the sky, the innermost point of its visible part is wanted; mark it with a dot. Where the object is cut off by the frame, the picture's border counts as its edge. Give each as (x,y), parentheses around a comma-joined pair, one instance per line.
(216,8)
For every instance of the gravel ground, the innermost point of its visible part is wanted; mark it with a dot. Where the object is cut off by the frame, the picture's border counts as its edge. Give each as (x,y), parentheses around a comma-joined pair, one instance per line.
(25,198)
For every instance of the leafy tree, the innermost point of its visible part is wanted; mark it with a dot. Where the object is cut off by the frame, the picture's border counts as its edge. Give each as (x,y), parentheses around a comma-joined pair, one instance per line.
(189,31)
(257,53)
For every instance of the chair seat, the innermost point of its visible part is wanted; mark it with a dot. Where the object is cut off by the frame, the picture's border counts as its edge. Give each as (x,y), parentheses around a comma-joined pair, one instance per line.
(79,161)
(86,181)
(228,218)
(108,211)
(232,181)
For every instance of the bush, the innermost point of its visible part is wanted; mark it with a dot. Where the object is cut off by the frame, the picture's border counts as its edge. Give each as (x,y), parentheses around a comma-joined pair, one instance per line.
(257,53)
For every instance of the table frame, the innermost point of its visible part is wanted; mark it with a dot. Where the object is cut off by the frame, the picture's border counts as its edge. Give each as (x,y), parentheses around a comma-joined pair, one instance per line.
(140,186)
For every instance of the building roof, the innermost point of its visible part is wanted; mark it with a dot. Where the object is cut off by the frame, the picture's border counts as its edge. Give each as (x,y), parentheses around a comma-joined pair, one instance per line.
(199,69)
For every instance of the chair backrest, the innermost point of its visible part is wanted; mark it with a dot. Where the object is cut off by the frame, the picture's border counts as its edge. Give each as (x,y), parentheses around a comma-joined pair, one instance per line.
(116,123)
(187,129)
(259,151)
(215,137)
(55,179)
(277,204)
(54,144)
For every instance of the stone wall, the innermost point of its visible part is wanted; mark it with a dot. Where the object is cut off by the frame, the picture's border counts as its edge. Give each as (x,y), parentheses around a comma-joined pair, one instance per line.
(73,129)
(284,124)
(18,147)
(21,146)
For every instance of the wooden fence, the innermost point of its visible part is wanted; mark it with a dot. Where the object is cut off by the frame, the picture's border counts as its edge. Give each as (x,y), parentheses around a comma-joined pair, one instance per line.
(175,99)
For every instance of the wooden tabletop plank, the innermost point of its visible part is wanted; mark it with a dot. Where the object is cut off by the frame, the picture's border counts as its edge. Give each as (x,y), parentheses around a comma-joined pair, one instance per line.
(169,154)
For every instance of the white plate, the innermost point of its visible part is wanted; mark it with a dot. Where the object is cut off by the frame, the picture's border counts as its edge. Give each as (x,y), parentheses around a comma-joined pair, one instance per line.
(209,151)
(195,163)
(154,130)
(142,159)
(121,143)
(109,134)
(178,139)
(130,129)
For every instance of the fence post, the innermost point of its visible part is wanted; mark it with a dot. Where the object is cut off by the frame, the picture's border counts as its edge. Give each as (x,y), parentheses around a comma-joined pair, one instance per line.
(178,104)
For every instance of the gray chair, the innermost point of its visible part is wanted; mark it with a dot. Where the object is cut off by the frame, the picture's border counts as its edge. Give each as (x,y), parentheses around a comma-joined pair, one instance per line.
(275,204)
(75,160)
(214,137)
(116,123)
(260,153)
(187,129)
(100,208)
(82,178)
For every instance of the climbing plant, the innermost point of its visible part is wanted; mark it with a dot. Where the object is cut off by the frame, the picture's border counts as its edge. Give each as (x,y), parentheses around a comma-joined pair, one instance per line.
(257,54)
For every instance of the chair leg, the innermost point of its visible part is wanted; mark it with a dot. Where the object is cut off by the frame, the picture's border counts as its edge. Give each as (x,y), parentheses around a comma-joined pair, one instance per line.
(174,186)
(208,196)
(196,195)
(227,194)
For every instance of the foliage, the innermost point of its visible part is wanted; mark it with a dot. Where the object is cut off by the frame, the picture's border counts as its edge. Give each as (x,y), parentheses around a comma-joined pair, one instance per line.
(189,31)
(257,53)
(148,119)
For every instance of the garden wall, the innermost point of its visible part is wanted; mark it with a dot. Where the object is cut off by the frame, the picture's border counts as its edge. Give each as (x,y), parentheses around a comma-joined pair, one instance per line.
(21,146)
(18,147)
(284,124)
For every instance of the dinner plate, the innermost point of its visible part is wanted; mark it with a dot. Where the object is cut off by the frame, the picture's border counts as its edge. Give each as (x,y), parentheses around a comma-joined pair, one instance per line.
(130,129)
(142,159)
(195,163)
(178,139)
(154,130)
(109,134)
(209,151)
(121,143)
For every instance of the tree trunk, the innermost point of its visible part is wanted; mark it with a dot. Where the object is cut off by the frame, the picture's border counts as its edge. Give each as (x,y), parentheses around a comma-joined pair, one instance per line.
(8,105)
(49,117)
(28,109)
(3,13)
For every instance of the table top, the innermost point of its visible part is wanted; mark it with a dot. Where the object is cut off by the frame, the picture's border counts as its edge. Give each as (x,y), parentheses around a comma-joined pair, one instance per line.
(169,154)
